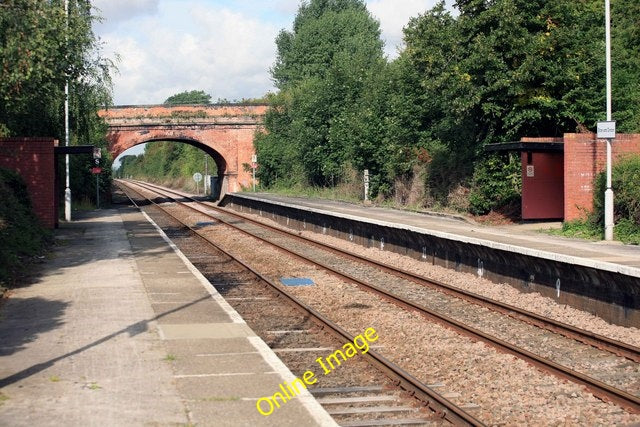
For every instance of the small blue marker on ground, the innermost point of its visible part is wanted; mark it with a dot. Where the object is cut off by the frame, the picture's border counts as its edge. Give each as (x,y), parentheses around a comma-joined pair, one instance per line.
(296,281)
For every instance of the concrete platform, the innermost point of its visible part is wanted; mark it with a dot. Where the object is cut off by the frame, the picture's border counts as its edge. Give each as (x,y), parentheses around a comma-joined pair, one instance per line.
(522,238)
(117,329)
(602,278)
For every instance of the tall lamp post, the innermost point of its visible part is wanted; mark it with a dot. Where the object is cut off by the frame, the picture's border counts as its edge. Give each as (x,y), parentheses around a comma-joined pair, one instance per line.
(611,128)
(67,191)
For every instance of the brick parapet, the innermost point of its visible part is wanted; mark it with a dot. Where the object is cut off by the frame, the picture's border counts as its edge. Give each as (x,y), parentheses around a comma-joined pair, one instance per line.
(177,112)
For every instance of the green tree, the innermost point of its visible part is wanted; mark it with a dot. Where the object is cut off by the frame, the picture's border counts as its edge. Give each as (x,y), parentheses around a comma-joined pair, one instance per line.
(441,93)
(505,69)
(168,162)
(39,51)
(189,97)
(128,166)
(528,67)
(500,70)
(322,69)
(625,58)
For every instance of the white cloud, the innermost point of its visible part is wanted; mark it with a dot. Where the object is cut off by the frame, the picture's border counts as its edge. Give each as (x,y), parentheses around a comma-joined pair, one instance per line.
(287,6)
(114,12)
(393,16)
(225,53)
(224,47)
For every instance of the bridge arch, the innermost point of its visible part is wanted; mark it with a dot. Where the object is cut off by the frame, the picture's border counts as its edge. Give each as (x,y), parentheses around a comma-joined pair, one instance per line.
(221,163)
(226,132)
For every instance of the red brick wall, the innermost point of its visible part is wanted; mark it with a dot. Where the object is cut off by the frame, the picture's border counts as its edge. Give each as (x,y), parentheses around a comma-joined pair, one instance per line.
(34,160)
(584,158)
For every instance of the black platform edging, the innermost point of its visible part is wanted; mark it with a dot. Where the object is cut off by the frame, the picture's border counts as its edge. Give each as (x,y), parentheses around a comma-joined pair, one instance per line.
(613,296)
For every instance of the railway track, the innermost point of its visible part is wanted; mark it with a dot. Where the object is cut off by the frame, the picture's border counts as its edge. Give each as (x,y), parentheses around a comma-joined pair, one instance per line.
(364,403)
(587,337)
(599,388)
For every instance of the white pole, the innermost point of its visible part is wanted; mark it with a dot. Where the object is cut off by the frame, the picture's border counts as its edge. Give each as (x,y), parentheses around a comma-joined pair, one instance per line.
(67,191)
(608,194)
(366,185)
(206,173)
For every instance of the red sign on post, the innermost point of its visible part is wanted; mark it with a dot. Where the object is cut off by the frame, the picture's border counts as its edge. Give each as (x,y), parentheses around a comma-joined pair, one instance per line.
(96,170)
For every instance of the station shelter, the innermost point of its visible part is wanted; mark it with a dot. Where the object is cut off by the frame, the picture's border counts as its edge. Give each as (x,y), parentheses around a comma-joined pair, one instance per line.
(558,174)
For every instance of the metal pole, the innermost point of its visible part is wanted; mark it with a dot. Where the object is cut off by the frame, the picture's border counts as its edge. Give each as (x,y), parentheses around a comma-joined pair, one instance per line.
(254,180)
(608,194)
(206,173)
(67,191)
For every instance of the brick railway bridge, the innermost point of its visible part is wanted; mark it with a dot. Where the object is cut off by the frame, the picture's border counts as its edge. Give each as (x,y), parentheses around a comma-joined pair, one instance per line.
(226,132)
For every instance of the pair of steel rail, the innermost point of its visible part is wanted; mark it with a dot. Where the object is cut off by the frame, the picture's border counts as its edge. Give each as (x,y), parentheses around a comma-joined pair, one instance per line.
(438,404)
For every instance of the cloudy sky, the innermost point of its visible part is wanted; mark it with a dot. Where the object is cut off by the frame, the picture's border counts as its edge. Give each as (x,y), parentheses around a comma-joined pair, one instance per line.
(224,47)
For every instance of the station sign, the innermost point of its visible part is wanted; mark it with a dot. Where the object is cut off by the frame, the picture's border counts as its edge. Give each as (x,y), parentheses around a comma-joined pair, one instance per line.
(96,170)
(607,130)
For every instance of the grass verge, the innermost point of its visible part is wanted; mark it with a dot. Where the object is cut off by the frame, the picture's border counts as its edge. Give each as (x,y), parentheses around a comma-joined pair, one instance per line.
(624,230)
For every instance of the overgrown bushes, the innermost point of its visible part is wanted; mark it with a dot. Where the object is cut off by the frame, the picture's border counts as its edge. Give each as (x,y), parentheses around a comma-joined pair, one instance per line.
(21,235)
(625,182)
(497,182)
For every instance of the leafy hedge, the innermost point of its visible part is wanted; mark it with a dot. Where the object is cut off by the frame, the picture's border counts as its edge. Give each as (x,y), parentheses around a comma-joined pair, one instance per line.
(21,235)
(625,182)
(497,182)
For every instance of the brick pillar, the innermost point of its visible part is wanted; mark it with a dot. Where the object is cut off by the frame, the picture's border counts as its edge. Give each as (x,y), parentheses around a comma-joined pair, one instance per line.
(34,160)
